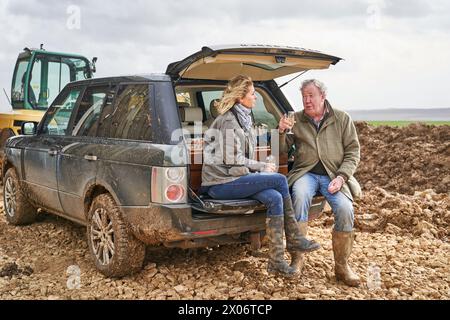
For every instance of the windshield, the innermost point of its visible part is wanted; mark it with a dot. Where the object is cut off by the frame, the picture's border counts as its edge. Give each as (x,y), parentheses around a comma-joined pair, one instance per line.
(18,92)
(49,74)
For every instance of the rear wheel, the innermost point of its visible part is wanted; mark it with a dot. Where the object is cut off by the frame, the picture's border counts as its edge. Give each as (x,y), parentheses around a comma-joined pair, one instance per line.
(18,209)
(115,250)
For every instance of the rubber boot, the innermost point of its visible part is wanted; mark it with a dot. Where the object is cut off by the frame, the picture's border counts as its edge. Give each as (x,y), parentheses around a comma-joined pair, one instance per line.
(342,248)
(277,264)
(297,258)
(295,241)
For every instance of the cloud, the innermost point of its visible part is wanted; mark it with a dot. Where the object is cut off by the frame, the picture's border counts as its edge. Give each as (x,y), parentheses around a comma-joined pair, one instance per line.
(386,44)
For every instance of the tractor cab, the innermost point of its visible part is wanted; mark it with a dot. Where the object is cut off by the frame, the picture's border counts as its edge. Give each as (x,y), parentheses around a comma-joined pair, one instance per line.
(40,75)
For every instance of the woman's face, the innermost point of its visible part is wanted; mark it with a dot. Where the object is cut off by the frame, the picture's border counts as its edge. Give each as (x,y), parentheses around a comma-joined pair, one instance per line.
(249,100)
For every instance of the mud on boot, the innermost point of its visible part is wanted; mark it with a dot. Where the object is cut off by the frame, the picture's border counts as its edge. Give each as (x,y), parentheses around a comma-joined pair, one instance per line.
(281,268)
(295,240)
(276,263)
(342,248)
(298,258)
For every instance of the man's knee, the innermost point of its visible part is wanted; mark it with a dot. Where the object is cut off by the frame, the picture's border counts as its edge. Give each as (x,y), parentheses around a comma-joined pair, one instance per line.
(302,190)
(344,216)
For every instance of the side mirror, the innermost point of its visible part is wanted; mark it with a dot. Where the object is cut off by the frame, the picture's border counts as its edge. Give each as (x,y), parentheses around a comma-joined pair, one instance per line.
(29,128)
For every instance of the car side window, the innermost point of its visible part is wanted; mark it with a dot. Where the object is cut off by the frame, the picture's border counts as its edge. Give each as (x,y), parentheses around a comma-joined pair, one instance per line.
(58,115)
(208,97)
(131,118)
(88,113)
(262,116)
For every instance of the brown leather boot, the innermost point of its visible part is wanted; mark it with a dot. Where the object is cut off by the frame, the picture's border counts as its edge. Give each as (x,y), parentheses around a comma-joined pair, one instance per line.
(276,263)
(342,248)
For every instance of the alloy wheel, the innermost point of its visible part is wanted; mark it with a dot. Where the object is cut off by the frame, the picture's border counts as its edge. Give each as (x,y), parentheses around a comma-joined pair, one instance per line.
(102,236)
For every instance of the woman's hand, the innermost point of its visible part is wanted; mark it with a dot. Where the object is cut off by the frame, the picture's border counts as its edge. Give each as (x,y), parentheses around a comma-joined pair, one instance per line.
(270,167)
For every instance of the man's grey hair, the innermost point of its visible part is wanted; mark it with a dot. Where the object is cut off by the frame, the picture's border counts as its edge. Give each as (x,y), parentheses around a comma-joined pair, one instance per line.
(319,85)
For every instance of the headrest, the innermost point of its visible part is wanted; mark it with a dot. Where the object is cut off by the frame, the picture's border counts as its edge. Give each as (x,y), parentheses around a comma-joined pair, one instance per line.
(213,108)
(191,114)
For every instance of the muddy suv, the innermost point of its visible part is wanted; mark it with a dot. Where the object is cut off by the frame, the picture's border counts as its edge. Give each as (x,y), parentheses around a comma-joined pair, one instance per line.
(123,155)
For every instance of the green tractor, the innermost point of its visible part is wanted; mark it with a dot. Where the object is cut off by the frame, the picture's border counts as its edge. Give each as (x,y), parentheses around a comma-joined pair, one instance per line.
(39,76)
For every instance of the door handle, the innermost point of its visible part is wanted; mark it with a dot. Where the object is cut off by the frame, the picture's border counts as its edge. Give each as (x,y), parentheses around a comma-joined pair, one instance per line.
(52,152)
(90,157)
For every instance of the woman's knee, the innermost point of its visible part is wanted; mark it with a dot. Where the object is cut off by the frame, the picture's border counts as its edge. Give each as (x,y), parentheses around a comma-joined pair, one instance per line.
(278,178)
(282,184)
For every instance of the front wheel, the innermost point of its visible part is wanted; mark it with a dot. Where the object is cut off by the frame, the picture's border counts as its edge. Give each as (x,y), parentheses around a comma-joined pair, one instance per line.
(18,209)
(115,250)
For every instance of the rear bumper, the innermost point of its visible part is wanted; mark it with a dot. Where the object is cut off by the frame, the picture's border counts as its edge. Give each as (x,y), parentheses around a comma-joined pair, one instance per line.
(175,226)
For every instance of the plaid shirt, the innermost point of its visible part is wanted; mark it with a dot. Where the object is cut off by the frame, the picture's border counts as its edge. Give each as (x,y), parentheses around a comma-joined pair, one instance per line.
(318,124)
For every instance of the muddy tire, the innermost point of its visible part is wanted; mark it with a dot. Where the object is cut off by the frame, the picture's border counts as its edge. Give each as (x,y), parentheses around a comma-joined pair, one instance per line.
(115,250)
(18,210)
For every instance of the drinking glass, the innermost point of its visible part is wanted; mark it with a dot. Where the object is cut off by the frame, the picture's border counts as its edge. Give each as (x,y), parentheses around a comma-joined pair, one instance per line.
(291,117)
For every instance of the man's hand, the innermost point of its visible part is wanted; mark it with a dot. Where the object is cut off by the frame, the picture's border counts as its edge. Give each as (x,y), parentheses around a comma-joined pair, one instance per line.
(270,167)
(336,185)
(284,124)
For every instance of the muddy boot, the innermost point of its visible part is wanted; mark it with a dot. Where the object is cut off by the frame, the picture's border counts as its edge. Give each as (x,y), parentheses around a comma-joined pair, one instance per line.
(294,239)
(297,258)
(277,264)
(342,248)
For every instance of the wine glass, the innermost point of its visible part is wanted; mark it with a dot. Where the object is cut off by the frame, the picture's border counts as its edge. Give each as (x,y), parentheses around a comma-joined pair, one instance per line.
(291,117)
(273,160)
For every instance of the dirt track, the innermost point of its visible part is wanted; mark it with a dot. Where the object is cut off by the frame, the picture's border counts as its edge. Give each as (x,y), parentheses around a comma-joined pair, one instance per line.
(404,236)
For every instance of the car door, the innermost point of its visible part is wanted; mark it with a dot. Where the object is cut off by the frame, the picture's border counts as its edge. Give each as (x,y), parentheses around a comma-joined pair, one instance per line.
(77,161)
(41,154)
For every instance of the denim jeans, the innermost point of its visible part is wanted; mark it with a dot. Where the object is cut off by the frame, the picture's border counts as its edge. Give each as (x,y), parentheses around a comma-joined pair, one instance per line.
(307,186)
(268,188)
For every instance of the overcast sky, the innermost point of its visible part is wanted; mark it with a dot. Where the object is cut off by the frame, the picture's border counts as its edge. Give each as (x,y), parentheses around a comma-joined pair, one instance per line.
(396,53)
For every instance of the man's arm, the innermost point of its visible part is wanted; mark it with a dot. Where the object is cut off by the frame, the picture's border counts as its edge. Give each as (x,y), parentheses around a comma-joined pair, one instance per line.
(286,142)
(351,149)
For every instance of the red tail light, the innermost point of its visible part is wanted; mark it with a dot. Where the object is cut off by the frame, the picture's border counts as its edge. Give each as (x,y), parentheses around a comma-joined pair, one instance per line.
(174,192)
(169,185)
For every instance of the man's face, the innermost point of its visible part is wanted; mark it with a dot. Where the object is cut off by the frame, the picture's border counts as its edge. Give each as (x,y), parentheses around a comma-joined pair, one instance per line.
(313,101)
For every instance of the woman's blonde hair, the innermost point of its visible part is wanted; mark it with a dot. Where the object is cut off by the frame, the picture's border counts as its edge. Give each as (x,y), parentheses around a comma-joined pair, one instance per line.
(237,88)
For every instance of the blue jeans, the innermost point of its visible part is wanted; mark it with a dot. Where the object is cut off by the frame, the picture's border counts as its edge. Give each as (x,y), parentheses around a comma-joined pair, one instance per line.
(304,190)
(268,188)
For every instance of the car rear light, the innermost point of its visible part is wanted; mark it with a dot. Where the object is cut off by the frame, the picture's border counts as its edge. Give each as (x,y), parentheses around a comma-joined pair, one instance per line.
(169,185)
(175,174)
(174,192)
